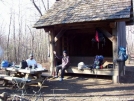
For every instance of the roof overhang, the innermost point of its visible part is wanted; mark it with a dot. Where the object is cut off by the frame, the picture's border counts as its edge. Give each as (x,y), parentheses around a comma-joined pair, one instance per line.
(79,11)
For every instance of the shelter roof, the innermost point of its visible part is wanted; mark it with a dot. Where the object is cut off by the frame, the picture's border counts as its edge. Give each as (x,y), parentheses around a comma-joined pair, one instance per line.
(72,11)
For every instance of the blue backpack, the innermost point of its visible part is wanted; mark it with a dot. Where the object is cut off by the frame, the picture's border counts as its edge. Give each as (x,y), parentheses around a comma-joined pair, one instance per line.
(122,54)
(4,63)
(98,61)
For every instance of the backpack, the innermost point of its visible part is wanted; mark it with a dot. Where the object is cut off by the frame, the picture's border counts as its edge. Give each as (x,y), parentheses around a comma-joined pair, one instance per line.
(99,38)
(23,64)
(4,63)
(98,61)
(122,54)
(99,35)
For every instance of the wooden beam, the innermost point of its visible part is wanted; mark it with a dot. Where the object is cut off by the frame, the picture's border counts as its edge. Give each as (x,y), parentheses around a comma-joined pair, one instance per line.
(83,25)
(47,29)
(81,31)
(88,26)
(59,35)
(107,34)
(112,25)
(132,11)
(119,20)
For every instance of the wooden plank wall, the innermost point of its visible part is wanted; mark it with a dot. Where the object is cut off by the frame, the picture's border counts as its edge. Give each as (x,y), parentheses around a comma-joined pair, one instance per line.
(81,45)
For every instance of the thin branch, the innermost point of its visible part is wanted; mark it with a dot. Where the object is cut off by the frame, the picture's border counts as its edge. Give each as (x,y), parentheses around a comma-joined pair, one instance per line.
(47,4)
(30,31)
(36,7)
(43,4)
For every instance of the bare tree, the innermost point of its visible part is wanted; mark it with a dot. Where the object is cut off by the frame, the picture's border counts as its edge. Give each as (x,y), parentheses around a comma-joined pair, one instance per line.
(21,39)
(32,35)
(14,39)
(9,32)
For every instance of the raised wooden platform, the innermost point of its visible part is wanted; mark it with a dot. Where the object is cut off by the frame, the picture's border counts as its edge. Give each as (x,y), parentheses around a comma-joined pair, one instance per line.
(89,61)
(114,72)
(109,71)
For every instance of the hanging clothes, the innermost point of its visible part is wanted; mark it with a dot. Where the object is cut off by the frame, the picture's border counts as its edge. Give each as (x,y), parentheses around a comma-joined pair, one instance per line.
(99,38)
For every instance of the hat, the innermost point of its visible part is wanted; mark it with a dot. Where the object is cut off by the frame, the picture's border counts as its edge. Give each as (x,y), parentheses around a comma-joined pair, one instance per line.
(31,55)
(64,51)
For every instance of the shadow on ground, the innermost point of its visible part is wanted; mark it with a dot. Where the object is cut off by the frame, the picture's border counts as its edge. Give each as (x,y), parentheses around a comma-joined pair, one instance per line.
(75,85)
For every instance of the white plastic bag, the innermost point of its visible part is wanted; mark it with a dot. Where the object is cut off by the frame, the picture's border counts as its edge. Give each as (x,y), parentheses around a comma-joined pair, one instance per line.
(81,65)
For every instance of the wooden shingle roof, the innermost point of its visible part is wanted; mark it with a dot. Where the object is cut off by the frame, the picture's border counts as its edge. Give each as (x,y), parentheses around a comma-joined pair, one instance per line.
(71,11)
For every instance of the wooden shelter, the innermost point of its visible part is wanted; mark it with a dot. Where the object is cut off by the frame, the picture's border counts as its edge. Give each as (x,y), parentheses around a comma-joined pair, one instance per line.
(72,25)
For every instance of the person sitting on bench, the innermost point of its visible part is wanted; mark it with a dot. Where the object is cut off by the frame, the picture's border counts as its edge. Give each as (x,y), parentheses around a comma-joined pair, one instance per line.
(31,62)
(63,66)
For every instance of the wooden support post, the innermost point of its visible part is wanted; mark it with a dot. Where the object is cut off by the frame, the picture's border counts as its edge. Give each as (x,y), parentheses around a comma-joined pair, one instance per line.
(121,27)
(115,54)
(51,33)
(115,44)
(121,42)
(121,34)
(132,3)
(113,39)
(115,79)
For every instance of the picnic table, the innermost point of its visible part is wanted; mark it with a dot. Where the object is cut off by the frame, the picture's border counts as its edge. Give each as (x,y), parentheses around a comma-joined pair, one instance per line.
(29,74)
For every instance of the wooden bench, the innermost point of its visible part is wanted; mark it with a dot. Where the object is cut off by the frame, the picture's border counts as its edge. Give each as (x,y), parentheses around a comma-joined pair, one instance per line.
(7,78)
(33,74)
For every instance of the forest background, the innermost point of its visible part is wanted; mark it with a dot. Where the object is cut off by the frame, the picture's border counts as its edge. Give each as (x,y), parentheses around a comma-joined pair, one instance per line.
(18,38)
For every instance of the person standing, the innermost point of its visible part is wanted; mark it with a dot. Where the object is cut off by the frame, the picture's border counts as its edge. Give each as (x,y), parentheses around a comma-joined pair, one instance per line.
(63,66)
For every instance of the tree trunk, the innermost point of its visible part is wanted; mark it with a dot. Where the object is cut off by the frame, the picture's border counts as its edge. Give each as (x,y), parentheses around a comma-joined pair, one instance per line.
(9,32)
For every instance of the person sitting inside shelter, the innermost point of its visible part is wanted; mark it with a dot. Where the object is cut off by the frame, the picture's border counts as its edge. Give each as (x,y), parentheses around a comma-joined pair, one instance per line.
(31,62)
(63,66)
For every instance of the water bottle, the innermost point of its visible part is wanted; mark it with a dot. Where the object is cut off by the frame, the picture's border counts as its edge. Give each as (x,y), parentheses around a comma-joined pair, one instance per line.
(28,68)
(33,66)
(13,64)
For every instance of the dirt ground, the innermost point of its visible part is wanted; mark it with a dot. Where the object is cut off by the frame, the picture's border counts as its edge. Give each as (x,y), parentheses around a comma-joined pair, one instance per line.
(87,88)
